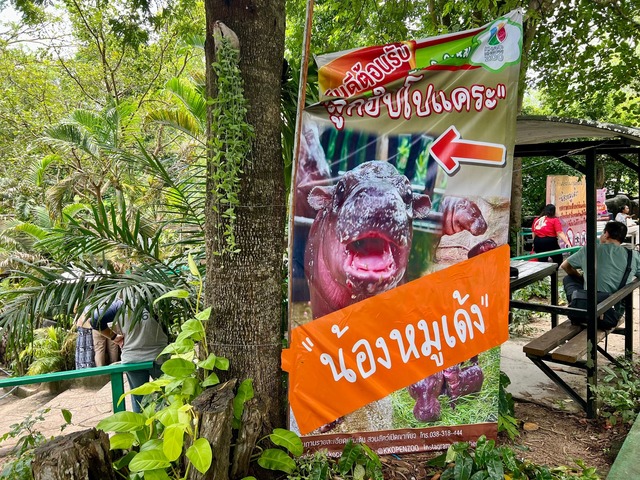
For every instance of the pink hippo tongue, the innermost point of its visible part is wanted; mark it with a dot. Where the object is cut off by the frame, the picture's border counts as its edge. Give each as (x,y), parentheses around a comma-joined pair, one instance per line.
(371,255)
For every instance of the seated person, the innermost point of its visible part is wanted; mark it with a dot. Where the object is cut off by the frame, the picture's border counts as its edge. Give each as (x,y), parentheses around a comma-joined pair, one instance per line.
(611,261)
(623,215)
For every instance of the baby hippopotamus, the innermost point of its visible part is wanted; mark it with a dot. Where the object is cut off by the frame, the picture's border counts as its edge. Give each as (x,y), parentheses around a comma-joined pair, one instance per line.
(360,239)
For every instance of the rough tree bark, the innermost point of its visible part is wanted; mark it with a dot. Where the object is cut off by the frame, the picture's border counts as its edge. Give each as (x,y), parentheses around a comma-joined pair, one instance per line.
(245,289)
(78,456)
(215,410)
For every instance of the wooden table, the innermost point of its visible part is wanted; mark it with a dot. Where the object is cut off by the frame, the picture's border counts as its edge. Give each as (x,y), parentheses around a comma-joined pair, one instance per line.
(530,272)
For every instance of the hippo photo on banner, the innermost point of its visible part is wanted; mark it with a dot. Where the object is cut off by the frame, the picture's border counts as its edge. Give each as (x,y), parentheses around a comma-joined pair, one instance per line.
(399,291)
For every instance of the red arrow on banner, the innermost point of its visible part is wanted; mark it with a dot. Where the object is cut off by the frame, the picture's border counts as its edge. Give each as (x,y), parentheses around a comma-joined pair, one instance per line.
(449,151)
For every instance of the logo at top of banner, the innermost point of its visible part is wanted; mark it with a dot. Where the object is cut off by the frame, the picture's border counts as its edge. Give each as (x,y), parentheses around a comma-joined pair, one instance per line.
(497,46)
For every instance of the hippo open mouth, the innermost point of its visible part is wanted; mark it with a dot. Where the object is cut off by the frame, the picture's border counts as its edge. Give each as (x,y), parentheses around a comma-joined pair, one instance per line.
(370,260)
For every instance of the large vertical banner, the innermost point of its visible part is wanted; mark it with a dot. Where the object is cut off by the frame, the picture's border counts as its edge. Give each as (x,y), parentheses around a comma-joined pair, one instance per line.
(399,284)
(569,195)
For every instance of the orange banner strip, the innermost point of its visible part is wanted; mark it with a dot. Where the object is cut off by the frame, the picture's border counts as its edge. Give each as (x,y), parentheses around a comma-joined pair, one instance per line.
(362,353)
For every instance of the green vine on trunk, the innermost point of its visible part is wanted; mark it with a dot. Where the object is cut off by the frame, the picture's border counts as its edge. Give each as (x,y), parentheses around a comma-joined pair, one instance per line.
(230,141)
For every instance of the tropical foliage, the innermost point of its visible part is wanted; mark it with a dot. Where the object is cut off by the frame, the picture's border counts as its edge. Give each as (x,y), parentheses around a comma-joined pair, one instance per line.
(114,190)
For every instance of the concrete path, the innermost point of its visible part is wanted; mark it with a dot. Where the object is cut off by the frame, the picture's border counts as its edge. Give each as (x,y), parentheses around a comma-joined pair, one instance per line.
(88,400)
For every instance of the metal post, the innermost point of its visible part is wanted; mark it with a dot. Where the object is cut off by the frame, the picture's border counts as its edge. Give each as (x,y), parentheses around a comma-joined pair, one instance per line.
(554,297)
(117,390)
(592,284)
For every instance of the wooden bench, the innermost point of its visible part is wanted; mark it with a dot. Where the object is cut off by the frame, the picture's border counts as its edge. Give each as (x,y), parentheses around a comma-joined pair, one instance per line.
(565,343)
(115,371)
(569,344)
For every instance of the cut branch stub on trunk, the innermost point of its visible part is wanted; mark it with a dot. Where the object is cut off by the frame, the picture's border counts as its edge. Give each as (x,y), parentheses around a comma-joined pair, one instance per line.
(214,408)
(252,422)
(78,456)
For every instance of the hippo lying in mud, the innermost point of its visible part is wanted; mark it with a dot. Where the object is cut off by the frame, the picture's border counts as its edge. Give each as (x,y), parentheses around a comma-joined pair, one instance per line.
(360,240)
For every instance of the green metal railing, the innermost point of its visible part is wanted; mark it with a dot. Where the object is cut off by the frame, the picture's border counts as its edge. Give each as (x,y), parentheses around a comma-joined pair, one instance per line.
(115,371)
(547,254)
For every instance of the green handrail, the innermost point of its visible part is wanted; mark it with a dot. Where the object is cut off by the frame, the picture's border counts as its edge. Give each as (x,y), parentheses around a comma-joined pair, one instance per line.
(547,254)
(115,371)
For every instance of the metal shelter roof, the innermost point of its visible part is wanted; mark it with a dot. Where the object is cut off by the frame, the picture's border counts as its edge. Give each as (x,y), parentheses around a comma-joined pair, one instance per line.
(540,129)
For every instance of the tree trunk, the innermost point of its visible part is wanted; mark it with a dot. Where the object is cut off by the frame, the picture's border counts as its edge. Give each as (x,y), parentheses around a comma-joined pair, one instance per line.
(245,289)
(247,437)
(78,456)
(215,409)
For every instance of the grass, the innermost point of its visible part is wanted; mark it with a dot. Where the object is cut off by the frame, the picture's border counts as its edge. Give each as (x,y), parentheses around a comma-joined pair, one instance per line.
(477,407)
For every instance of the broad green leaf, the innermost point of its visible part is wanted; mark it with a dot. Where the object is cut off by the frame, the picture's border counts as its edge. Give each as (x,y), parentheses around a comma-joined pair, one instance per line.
(122,422)
(183,346)
(208,363)
(179,293)
(153,444)
(274,459)
(482,475)
(204,314)
(149,460)
(200,455)
(66,414)
(212,379)
(222,363)
(319,469)
(358,472)
(145,389)
(156,475)
(173,386)
(124,461)
(178,368)
(348,457)
(173,441)
(170,415)
(288,440)
(249,478)
(463,467)
(495,468)
(245,392)
(192,329)
(193,268)
(122,441)
(191,387)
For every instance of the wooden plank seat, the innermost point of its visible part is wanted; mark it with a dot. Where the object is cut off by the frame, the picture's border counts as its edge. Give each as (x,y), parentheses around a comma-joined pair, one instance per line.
(551,339)
(568,344)
(576,348)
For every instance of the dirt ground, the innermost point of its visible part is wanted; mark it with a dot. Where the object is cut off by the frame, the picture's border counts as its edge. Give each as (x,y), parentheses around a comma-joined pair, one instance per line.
(549,435)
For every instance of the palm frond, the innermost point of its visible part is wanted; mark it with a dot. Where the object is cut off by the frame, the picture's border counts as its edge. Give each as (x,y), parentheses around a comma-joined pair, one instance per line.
(33,230)
(56,194)
(73,209)
(39,167)
(41,216)
(191,97)
(185,196)
(178,119)
(71,136)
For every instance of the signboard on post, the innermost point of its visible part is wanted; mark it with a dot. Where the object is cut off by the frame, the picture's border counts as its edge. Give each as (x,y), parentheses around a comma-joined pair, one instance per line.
(569,195)
(399,284)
